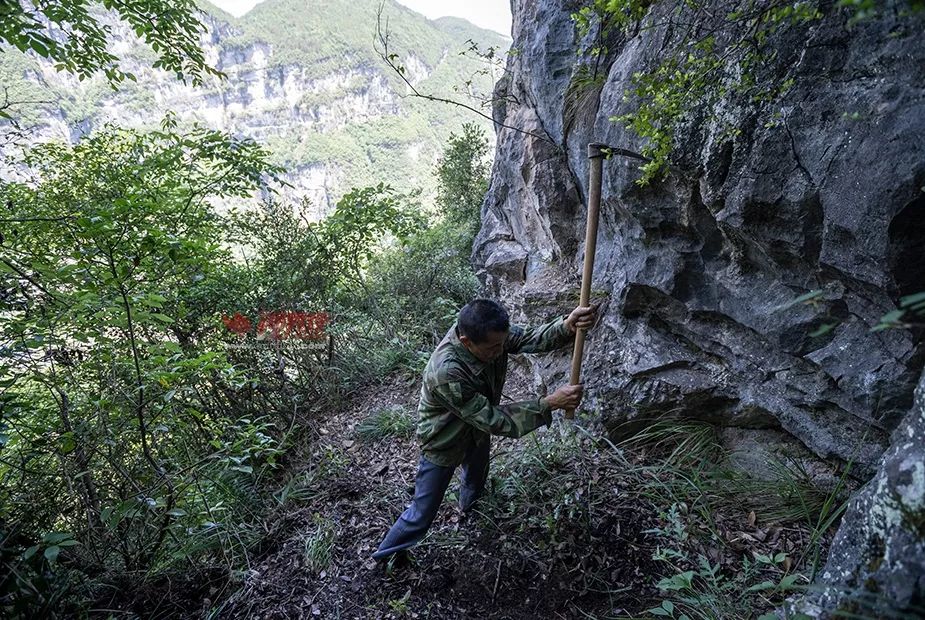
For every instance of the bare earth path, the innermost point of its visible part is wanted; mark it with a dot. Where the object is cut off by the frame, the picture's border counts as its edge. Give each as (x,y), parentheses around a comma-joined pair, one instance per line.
(564,533)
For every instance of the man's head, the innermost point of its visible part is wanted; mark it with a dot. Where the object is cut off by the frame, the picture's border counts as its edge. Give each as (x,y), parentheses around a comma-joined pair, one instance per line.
(483,328)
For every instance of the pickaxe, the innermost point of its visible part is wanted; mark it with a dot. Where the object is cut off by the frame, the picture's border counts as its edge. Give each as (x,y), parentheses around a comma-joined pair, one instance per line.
(596,154)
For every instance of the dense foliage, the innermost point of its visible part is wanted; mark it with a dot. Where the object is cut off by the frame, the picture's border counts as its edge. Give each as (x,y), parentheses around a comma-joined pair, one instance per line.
(137,438)
(143,417)
(463,176)
(113,382)
(78,39)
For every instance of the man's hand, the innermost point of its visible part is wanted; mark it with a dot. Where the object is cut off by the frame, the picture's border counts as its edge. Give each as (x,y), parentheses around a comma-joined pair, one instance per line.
(566,397)
(582,317)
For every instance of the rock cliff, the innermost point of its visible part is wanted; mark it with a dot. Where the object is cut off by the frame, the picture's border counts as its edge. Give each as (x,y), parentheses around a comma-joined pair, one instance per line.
(819,191)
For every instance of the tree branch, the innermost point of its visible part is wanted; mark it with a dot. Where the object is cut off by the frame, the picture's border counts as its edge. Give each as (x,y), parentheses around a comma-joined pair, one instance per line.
(381,46)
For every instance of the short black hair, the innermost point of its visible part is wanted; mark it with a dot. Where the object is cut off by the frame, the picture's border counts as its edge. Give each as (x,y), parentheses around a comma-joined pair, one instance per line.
(481,316)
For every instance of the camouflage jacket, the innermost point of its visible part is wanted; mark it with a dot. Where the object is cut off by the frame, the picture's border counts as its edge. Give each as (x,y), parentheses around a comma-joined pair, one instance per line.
(460,394)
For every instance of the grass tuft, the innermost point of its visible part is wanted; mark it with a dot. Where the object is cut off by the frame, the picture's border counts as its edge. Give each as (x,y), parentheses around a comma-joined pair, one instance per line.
(392,421)
(692,467)
(319,544)
(683,515)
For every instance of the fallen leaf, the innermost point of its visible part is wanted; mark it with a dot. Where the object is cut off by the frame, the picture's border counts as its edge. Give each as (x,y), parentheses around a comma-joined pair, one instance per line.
(380,468)
(348,443)
(774,534)
(752,518)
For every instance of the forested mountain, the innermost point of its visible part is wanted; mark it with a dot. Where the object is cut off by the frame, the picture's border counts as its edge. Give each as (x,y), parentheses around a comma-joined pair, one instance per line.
(303,78)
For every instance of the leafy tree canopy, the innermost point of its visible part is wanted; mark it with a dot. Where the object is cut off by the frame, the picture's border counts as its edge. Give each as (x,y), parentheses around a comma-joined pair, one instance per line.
(462,176)
(75,34)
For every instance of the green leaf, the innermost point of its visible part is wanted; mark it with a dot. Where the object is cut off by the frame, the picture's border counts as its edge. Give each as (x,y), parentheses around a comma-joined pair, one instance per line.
(677,582)
(162,317)
(53,538)
(912,301)
(39,48)
(809,297)
(154,301)
(890,319)
(787,582)
(761,587)
(668,606)
(51,553)
(66,443)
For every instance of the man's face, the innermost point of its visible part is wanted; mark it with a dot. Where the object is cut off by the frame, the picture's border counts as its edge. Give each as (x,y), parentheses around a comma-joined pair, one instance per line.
(487,351)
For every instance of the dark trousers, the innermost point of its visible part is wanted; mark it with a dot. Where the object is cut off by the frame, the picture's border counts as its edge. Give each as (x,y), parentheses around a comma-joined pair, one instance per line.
(430,485)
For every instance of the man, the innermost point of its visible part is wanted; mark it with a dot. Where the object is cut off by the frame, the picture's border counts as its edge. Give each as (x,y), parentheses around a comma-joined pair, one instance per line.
(460,408)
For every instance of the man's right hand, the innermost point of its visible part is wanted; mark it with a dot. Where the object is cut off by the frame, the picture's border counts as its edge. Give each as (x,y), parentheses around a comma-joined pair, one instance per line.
(566,397)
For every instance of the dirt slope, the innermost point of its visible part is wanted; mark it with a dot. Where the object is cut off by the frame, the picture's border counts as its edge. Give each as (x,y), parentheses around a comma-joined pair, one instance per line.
(566,531)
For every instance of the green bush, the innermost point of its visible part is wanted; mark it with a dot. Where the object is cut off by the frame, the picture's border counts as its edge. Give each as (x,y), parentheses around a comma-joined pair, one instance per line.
(136,440)
(462,174)
(124,424)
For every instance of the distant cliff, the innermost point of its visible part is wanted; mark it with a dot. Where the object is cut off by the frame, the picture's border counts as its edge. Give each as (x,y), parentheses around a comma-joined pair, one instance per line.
(303,78)
(814,191)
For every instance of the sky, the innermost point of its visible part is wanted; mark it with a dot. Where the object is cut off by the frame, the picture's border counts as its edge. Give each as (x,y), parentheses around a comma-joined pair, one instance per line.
(491,14)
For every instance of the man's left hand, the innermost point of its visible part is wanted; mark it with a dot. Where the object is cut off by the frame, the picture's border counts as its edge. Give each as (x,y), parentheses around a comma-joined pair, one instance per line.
(582,317)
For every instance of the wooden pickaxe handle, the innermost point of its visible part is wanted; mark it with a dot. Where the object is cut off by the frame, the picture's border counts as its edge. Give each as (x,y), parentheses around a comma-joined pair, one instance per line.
(596,157)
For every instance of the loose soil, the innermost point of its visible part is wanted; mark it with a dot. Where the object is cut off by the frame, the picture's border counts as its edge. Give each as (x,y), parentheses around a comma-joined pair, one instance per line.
(491,565)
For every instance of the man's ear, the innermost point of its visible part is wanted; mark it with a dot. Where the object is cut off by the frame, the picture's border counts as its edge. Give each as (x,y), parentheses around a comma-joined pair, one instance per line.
(465,340)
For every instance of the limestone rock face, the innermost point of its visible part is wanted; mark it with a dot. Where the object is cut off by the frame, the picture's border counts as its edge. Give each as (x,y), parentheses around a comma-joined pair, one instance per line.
(876,564)
(821,189)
